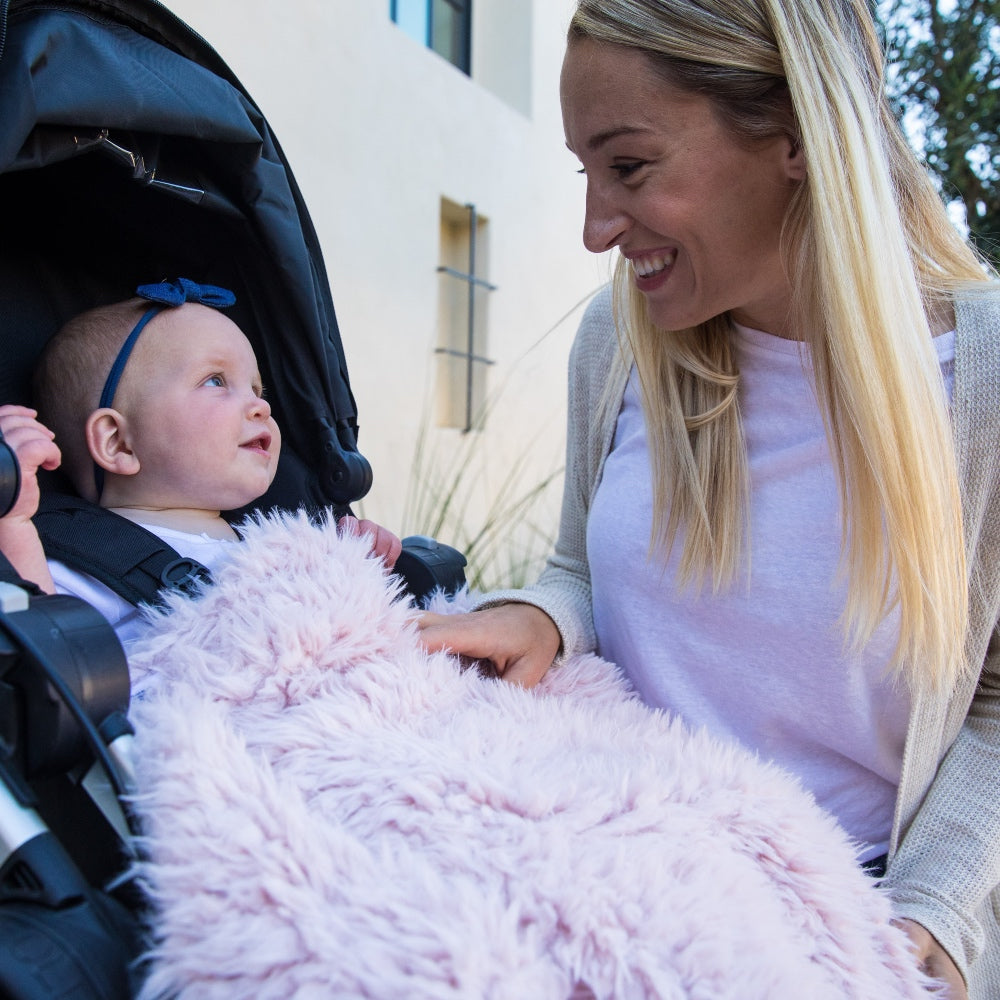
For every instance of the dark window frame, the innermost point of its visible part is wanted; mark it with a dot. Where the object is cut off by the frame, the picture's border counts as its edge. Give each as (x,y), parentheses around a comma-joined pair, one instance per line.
(469,355)
(461,59)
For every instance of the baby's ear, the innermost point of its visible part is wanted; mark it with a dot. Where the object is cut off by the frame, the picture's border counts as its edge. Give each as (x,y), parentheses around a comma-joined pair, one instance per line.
(108,442)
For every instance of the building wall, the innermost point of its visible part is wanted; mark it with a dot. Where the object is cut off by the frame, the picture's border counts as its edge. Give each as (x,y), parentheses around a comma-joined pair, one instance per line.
(378,130)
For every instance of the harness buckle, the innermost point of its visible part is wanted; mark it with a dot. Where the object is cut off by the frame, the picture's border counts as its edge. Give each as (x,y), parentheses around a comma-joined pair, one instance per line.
(184,575)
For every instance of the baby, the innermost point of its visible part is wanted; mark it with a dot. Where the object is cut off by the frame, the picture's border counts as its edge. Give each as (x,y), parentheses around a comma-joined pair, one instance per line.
(159,411)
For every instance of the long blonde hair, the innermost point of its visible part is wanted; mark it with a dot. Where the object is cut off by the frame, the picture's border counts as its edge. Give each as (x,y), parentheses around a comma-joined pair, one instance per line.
(870,252)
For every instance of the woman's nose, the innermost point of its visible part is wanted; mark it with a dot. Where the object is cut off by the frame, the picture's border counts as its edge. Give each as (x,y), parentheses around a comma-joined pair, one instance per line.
(605,223)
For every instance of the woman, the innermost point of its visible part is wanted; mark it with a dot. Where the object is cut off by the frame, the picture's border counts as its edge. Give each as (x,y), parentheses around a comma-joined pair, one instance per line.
(781,471)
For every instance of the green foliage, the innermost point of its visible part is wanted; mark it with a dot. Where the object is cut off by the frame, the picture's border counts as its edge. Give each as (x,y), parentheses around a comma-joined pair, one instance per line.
(944,58)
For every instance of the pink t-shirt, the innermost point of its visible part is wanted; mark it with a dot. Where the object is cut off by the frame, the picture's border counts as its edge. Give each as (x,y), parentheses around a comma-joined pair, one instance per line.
(764,665)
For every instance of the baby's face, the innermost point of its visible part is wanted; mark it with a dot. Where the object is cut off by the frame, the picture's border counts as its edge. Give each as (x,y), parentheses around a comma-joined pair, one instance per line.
(201,428)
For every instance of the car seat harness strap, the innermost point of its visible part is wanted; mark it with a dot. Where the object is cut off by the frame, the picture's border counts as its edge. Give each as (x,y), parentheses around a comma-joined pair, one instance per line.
(123,555)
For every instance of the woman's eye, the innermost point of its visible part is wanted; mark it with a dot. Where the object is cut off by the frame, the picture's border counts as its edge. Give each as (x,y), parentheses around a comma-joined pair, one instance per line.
(626,170)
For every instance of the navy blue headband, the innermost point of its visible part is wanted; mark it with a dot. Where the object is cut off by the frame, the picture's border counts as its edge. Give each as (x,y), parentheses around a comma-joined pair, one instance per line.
(164,293)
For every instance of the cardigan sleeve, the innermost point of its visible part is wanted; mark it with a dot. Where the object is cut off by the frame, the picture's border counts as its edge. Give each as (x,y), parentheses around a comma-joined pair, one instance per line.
(948,862)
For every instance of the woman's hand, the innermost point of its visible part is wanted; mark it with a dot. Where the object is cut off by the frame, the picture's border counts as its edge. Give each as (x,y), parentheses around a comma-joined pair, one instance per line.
(520,640)
(934,961)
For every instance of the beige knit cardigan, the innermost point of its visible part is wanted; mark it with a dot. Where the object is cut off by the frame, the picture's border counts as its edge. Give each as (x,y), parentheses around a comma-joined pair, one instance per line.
(944,868)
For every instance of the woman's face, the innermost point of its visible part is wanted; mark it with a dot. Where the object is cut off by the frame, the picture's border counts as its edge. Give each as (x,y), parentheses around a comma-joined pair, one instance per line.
(697,212)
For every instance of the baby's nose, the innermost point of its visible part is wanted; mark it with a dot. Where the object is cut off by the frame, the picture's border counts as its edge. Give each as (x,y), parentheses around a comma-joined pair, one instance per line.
(260,407)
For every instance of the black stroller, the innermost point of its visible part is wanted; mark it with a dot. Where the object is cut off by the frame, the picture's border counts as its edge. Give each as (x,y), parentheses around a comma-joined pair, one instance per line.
(130,153)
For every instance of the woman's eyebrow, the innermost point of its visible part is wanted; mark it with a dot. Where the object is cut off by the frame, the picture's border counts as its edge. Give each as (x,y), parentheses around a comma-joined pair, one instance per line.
(596,141)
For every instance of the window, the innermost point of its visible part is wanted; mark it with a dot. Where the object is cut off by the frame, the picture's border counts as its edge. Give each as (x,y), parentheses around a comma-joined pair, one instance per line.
(442,25)
(462,312)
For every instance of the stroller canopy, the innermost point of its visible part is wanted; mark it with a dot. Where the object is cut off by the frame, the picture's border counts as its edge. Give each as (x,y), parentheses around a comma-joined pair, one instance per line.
(129,152)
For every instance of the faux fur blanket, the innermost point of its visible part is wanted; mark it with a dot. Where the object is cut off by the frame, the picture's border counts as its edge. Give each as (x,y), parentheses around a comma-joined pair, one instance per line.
(332,812)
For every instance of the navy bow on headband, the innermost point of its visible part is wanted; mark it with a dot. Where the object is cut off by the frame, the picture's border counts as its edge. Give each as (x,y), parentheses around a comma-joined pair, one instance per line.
(162,294)
(176,293)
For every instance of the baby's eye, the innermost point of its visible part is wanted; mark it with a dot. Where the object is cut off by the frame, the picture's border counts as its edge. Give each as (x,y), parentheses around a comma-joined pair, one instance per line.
(217,381)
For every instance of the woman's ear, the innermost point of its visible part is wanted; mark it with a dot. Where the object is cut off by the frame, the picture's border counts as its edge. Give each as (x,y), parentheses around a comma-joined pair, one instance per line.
(796,162)
(108,442)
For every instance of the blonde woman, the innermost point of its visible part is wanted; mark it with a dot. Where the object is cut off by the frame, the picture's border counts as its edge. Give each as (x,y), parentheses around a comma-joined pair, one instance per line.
(782,504)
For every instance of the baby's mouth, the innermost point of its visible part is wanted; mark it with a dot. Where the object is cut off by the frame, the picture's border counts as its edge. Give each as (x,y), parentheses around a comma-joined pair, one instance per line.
(261,443)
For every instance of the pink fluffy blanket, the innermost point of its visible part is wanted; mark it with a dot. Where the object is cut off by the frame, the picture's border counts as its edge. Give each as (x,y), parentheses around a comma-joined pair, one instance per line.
(332,812)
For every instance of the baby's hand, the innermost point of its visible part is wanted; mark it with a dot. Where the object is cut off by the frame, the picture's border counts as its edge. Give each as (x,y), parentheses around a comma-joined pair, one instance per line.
(34,446)
(385,544)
